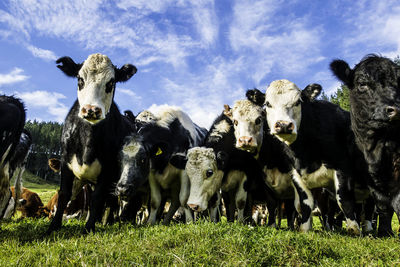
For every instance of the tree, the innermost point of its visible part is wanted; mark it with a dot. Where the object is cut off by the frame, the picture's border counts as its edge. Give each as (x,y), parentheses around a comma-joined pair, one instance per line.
(341,97)
(46,144)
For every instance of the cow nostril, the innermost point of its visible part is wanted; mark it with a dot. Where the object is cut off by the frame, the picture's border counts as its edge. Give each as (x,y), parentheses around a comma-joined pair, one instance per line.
(193,207)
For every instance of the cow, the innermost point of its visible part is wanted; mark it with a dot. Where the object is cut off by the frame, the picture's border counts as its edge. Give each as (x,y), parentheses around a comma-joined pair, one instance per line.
(92,135)
(12,121)
(251,134)
(29,204)
(374,85)
(318,136)
(145,158)
(218,165)
(76,208)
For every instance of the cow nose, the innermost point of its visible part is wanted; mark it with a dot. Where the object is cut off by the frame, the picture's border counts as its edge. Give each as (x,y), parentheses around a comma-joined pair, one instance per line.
(122,190)
(194,207)
(245,140)
(284,127)
(393,113)
(91,112)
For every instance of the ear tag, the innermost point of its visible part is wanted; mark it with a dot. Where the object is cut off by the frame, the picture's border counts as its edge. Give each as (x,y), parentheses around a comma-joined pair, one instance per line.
(159,152)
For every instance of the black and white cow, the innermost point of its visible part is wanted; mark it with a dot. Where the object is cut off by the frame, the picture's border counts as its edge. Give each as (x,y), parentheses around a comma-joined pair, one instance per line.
(252,134)
(12,121)
(92,135)
(145,158)
(317,133)
(218,165)
(374,85)
(18,161)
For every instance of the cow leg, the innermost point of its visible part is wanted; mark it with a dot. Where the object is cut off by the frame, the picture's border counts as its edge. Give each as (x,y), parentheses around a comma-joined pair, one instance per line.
(97,205)
(368,215)
(240,200)
(155,200)
(346,202)
(214,204)
(290,213)
(175,204)
(304,202)
(64,195)
(184,196)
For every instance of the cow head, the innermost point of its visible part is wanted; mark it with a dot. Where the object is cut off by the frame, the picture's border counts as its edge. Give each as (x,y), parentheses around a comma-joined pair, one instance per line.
(248,121)
(97,77)
(137,157)
(374,85)
(283,101)
(205,171)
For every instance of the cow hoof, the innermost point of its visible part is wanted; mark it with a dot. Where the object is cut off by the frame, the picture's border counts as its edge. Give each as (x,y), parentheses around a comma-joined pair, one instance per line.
(387,233)
(353,228)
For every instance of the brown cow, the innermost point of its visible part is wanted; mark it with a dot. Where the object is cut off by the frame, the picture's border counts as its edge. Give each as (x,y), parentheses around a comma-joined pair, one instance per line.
(30,204)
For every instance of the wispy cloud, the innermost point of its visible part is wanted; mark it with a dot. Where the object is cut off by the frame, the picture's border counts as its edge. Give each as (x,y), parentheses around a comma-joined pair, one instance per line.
(16,75)
(47,101)
(42,53)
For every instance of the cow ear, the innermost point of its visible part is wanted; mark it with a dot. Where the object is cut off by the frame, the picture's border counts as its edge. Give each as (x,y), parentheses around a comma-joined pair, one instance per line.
(124,73)
(129,114)
(311,92)
(68,66)
(228,111)
(343,72)
(256,96)
(55,164)
(222,160)
(178,161)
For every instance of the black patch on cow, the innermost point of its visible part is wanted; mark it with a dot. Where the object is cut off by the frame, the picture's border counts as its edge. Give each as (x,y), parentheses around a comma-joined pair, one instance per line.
(256,96)
(68,66)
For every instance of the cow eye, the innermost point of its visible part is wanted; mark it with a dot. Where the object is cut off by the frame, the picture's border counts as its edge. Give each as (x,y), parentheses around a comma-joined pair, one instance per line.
(110,86)
(209,173)
(81,83)
(235,122)
(268,104)
(258,121)
(362,87)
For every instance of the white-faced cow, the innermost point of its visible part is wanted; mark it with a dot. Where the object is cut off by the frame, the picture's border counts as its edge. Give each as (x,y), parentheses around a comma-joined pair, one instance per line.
(146,154)
(220,166)
(252,134)
(12,121)
(317,133)
(374,85)
(92,135)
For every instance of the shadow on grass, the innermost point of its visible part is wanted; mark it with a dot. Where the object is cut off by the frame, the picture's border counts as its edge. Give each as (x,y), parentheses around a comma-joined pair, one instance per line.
(32,230)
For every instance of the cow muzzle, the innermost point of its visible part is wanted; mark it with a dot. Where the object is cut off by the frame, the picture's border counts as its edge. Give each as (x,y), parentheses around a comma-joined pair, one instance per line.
(91,113)
(123,191)
(393,113)
(247,143)
(284,127)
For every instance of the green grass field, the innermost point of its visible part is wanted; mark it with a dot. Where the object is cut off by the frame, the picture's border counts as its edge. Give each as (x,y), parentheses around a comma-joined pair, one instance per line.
(23,243)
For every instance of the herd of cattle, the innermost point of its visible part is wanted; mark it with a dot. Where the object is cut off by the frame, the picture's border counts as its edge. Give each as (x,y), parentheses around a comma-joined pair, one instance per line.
(283,146)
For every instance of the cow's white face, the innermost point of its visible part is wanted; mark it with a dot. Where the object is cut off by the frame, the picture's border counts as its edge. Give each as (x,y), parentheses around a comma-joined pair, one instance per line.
(204,175)
(283,109)
(248,121)
(96,85)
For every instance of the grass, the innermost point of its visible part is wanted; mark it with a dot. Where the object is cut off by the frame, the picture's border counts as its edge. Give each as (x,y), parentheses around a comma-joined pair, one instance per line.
(23,243)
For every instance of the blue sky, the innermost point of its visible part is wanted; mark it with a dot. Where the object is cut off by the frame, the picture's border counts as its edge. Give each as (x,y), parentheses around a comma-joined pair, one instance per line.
(197,55)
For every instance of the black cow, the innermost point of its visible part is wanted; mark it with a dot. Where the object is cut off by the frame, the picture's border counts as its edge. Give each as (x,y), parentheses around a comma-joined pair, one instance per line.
(146,155)
(374,85)
(92,135)
(318,134)
(12,121)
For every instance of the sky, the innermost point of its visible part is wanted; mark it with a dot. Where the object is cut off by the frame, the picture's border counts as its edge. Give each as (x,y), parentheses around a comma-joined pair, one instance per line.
(197,55)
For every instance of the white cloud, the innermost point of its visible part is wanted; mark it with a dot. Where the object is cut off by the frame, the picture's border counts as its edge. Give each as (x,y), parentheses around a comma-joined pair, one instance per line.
(13,77)
(42,53)
(47,101)
(291,45)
